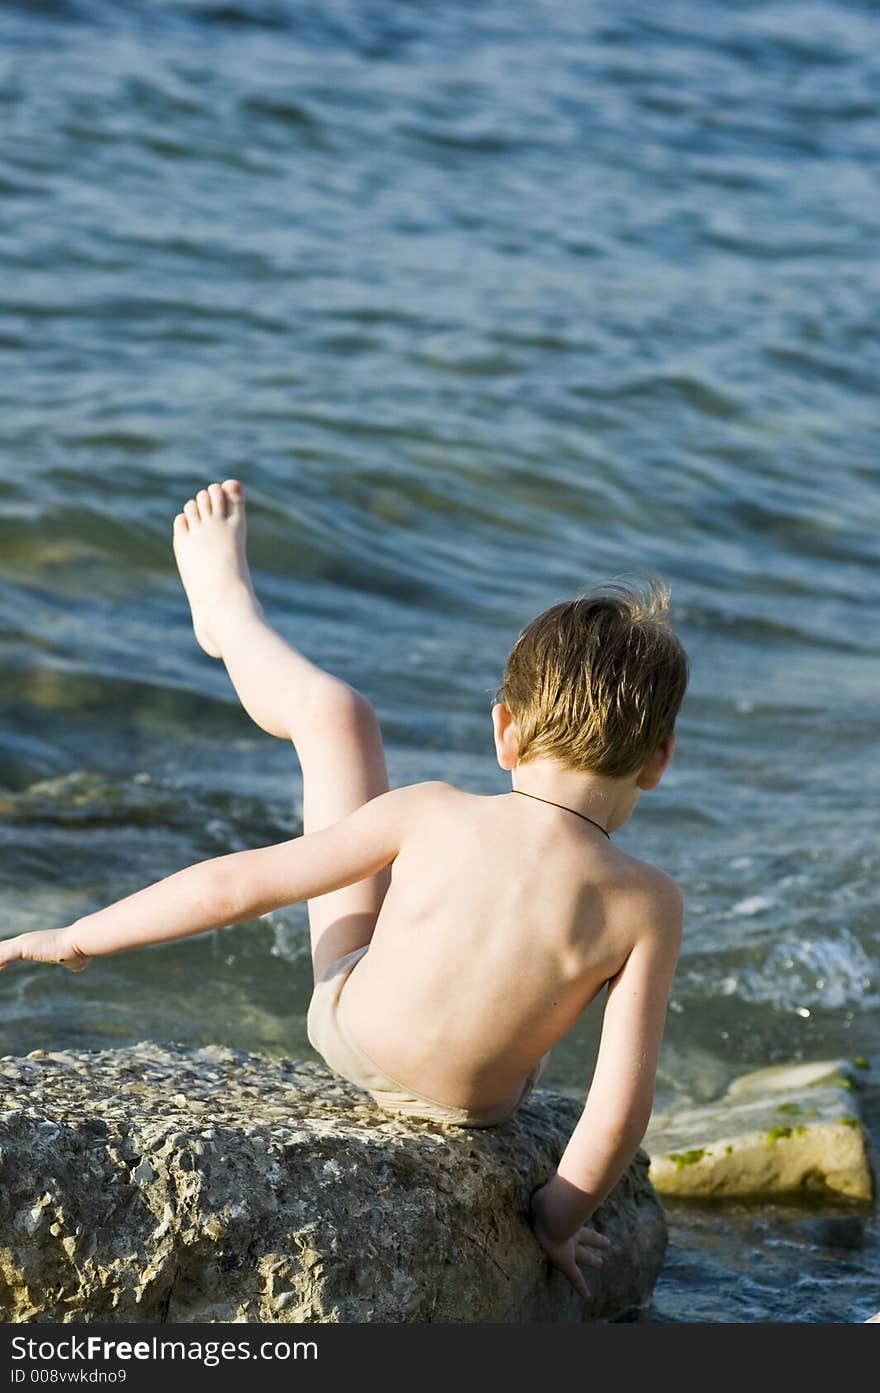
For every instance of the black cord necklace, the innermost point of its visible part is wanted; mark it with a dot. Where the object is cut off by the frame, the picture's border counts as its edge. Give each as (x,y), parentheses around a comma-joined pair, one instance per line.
(523,794)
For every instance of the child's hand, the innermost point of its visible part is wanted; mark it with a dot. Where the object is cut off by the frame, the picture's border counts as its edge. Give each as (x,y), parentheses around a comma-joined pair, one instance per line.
(567,1253)
(44,946)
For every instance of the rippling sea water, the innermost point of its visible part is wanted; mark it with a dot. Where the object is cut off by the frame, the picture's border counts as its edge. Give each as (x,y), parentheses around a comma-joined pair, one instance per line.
(482,303)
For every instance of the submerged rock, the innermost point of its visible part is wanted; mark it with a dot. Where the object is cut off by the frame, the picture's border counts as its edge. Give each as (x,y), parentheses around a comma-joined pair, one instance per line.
(174,1184)
(788,1130)
(834,1232)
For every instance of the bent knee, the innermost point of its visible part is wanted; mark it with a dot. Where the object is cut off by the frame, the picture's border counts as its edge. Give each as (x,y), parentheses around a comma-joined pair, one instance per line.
(345,708)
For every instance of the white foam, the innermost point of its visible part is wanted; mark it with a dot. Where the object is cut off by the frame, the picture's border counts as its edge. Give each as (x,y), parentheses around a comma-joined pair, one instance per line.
(753,904)
(806,974)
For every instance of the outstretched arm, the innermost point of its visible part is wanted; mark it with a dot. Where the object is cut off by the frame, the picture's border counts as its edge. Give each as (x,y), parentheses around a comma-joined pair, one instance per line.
(621,1095)
(228,889)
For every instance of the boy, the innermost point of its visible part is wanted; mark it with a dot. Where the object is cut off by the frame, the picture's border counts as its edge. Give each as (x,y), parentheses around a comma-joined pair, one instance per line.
(463,934)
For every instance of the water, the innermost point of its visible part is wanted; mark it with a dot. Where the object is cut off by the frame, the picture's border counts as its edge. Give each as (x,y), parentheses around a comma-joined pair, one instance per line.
(482,303)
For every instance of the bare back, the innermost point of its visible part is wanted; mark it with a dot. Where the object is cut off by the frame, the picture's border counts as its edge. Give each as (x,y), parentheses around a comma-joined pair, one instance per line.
(502,923)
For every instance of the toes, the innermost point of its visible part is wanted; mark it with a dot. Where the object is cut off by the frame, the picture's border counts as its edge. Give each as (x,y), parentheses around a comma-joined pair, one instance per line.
(218,500)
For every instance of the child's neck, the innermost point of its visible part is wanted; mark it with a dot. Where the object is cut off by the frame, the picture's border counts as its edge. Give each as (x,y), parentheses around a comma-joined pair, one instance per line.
(607,802)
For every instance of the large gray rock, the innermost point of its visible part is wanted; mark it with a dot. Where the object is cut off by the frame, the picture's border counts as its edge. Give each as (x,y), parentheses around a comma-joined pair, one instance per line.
(172,1184)
(787,1130)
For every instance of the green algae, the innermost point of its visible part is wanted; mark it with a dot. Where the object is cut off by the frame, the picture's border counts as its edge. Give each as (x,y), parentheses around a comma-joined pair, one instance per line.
(680,1159)
(797,1110)
(776,1134)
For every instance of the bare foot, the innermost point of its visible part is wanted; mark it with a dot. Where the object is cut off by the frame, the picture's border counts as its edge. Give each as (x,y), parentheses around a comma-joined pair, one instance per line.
(209,537)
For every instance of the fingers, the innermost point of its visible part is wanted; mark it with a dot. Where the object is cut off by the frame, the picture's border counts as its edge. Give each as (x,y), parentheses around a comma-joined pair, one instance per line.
(593,1244)
(577,1281)
(41,946)
(76,964)
(9,953)
(589,1247)
(594,1239)
(587,1255)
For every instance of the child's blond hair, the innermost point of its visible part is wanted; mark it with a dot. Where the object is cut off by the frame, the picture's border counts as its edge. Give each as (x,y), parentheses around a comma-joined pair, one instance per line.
(596,682)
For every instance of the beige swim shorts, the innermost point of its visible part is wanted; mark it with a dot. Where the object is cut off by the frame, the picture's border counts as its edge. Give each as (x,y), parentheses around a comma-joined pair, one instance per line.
(327,1034)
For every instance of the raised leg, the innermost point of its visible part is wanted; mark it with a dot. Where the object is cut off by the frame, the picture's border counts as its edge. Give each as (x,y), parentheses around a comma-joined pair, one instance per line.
(333,728)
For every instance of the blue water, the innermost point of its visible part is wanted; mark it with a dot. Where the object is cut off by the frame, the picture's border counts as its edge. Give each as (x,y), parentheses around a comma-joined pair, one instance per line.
(482,303)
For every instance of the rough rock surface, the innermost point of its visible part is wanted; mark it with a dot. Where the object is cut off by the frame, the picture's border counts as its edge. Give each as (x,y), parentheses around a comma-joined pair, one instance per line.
(173,1184)
(786,1130)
